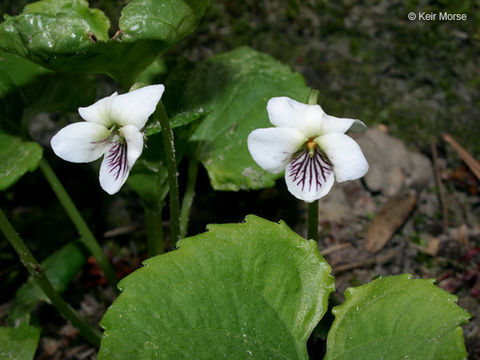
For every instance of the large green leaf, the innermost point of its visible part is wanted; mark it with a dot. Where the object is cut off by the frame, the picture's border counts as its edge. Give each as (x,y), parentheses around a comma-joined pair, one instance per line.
(15,72)
(69,36)
(239,291)
(18,343)
(27,89)
(233,88)
(397,318)
(16,158)
(60,268)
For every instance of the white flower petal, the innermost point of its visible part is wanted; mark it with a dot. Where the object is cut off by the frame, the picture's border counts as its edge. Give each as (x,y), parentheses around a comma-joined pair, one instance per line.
(134,108)
(284,112)
(332,124)
(120,158)
(309,178)
(81,142)
(114,169)
(99,112)
(343,152)
(272,148)
(134,139)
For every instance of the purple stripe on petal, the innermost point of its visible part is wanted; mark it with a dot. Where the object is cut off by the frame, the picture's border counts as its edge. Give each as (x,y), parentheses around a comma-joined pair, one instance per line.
(117,159)
(309,173)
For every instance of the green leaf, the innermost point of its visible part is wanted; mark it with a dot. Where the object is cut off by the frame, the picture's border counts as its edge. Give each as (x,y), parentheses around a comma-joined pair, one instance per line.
(60,268)
(69,36)
(168,20)
(16,158)
(15,72)
(149,175)
(27,89)
(18,343)
(239,291)
(182,119)
(233,88)
(397,318)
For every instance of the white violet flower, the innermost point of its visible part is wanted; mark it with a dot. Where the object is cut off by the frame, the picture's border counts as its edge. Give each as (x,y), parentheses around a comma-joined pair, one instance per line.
(310,146)
(113,128)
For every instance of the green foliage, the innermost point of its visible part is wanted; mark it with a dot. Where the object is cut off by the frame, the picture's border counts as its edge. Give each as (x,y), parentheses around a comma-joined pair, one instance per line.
(69,36)
(252,290)
(233,88)
(397,318)
(27,89)
(149,175)
(15,72)
(60,268)
(153,127)
(16,158)
(18,343)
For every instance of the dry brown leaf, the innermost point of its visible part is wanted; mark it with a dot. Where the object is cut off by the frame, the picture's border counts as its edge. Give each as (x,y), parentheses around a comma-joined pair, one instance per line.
(392,215)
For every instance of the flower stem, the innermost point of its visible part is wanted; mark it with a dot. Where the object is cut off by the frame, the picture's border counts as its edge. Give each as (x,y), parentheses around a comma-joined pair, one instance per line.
(313,98)
(86,235)
(91,334)
(169,145)
(153,222)
(313,220)
(188,196)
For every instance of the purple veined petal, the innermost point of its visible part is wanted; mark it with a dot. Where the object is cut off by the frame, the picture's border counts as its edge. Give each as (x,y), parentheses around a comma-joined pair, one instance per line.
(81,142)
(120,158)
(308,177)
(114,169)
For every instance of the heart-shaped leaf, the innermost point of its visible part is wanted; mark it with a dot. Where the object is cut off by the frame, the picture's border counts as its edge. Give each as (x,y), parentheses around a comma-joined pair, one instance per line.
(233,88)
(16,158)
(397,318)
(69,36)
(253,290)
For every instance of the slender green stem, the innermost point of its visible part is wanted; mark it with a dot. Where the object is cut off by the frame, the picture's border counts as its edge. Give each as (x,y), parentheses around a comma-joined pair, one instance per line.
(153,222)
(313,97)
(91,334)
(86,235)
(313,220)
(169,145)
(188,196)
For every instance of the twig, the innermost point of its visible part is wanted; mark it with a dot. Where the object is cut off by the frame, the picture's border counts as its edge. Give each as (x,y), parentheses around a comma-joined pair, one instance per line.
(473,164)
(335,248)
(422,249)
(122,230)
(373,260)
(440,187)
